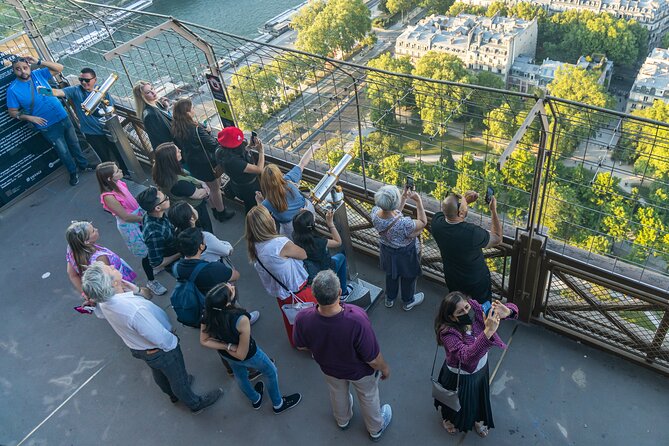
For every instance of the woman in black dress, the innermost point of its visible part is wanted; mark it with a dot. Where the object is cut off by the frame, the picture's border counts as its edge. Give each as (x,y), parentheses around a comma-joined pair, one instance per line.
(153,112)
(198,148)
(239,164)
(178,184)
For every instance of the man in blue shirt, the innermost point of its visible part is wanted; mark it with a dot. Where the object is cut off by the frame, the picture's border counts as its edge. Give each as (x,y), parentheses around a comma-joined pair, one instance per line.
(46,113)
(90,125)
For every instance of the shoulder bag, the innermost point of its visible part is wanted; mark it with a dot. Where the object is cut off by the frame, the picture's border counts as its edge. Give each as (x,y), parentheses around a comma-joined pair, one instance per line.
(216,169)
(296,305)
(446,397)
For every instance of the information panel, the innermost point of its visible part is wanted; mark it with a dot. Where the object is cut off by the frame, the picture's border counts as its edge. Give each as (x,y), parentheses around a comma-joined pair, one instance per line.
(26,156)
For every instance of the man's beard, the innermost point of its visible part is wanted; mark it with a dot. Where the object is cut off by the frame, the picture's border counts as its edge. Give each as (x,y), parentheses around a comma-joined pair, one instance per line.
(24,76)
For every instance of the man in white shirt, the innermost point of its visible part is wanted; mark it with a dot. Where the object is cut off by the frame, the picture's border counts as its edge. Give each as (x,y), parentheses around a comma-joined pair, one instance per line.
(146,330)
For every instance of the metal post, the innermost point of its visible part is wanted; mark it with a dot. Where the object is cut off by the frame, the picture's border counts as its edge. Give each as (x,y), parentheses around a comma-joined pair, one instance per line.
(119,137)
(33,32)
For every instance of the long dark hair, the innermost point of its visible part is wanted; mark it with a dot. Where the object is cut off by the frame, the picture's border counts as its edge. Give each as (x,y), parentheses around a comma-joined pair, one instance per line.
(166,166)
(216,310)
(104,173)
(443,320)
(182,123)
(304,230)
(180,215)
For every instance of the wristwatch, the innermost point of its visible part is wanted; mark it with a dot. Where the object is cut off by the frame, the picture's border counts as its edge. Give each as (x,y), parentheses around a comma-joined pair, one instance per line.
(39,62)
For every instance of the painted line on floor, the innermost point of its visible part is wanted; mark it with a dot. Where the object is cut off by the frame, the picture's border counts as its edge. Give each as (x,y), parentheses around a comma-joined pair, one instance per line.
(60,406)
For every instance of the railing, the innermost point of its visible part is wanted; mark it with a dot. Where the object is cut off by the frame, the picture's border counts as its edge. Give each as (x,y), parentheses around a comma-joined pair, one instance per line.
(581,190)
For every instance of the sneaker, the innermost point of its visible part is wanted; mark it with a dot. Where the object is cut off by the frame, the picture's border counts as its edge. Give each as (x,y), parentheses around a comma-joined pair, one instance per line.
(389,303)
(224,215)
(174,398)
(157,271)
(347,293)
(387,414)
(74,179)
(88,168)
(288,402)
(418,299)
(348,423)
(208,400)
(255,315)
(259,387)
(156,287)
(254,374)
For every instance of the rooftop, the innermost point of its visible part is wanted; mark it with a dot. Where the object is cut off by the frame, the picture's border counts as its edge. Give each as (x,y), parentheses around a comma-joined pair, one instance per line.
(654,73)
(68,379)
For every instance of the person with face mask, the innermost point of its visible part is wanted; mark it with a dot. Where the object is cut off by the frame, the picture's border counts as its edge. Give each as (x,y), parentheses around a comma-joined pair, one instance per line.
(467,333)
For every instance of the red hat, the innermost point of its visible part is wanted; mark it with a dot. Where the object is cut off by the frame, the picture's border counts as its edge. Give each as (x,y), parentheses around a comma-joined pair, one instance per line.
(230,137)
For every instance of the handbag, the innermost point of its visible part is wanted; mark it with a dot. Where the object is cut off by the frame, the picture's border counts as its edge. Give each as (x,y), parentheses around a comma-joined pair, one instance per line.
(217,170)
(446,397)
(296,305)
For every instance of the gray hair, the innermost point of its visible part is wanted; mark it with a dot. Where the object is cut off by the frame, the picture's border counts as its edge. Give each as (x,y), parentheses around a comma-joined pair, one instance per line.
(97,284)
(326,287)
(388,198)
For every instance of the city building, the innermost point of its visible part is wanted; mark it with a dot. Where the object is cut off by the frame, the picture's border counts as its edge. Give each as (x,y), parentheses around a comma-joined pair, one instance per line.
(482,43)
(652,14)
(652,82)
(525,75)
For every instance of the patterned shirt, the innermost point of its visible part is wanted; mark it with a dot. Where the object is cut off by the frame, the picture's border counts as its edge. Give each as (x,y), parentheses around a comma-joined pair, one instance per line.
(158,235)
(399,235)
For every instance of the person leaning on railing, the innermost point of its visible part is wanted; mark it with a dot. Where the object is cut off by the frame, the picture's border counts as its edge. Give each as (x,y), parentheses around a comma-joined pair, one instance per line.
(467,335)
(154,113)
(398,243)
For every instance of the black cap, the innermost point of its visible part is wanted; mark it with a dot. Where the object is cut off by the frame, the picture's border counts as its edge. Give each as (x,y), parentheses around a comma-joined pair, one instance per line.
(147,198)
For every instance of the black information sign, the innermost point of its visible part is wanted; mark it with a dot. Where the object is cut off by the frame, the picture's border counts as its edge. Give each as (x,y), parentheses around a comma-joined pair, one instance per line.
(222,106)
(26,156)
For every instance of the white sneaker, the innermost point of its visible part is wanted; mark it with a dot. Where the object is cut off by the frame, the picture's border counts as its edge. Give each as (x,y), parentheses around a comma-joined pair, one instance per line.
(348,423)
(418,299)
(156,287)
(157,271)
(255,315)
(387,414)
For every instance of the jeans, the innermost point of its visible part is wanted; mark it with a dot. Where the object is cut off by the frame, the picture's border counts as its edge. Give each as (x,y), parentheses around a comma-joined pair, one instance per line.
(64,139)
(339,267)
(106,150)
(393,286)
(169,372)
(259,361)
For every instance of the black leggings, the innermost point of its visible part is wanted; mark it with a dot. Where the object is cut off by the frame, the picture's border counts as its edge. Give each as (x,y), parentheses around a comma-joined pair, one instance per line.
(148,270)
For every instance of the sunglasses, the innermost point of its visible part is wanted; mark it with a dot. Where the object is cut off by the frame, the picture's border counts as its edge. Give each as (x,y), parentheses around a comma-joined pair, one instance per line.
(83,79)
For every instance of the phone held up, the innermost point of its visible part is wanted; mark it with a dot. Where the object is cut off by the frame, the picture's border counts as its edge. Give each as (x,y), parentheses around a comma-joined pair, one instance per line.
(44,91)
(254,138)
(410,184)
(486,306)
(489,193)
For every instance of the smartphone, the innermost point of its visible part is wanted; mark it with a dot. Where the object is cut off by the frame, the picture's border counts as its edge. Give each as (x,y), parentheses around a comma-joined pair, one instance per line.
(44,91)
(489,193)
(487,305)
(410,184)
(254,137)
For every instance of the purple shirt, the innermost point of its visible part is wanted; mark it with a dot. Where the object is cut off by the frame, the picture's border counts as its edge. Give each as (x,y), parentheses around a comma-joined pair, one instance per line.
(342,344)
(470,348)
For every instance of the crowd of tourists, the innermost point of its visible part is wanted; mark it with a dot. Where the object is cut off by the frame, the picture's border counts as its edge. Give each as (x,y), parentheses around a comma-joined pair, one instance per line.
(169,227)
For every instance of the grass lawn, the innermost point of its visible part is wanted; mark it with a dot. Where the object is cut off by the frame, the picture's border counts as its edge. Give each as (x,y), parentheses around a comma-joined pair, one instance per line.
(412,136)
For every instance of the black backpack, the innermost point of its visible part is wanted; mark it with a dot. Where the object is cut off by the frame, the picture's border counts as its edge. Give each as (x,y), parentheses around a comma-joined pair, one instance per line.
(187,300)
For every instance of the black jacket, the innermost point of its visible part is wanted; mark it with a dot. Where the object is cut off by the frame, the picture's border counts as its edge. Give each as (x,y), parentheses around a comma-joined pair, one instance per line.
(157,125)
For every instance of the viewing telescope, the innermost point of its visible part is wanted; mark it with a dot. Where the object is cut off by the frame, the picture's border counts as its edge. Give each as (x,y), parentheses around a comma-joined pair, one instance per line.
(329,180)
(97,97)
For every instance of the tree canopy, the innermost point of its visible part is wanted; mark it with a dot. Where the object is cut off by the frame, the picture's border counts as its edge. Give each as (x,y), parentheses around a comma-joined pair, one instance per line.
(386,92)
(327,28)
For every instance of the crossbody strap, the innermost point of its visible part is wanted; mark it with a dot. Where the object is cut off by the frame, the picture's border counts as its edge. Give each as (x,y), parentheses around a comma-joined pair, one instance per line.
(206,155)
(278,281)
(434,363)
(199,267)
(385,231)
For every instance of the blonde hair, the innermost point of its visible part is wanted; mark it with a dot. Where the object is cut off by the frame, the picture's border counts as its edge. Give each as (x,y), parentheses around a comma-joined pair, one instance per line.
(260,227)
(274,187)
(140,102)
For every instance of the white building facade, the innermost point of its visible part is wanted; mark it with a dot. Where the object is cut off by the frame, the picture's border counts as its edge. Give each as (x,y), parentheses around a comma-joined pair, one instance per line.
(482,43)
(525,75)
(652,82)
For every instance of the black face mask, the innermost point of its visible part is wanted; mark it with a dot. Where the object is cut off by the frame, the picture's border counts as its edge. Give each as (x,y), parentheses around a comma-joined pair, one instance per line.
(467,319)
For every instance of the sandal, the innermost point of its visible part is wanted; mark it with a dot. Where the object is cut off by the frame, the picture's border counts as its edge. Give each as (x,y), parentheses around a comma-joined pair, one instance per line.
(450,427)
(481,429)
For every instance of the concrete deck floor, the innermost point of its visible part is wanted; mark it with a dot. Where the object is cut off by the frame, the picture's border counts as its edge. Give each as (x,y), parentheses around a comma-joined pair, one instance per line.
(67,379)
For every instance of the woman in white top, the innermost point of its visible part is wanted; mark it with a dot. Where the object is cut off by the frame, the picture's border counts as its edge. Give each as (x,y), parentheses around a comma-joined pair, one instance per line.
(278,261)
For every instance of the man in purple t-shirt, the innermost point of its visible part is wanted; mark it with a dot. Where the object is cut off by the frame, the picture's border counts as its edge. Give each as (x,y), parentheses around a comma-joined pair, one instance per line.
(342,342)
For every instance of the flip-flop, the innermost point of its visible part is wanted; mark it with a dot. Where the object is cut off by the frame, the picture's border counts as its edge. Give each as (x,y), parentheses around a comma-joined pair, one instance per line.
(451,431)
(481,430)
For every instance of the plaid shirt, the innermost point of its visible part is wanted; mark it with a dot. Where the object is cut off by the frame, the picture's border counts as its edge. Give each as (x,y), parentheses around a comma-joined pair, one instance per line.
(158,236)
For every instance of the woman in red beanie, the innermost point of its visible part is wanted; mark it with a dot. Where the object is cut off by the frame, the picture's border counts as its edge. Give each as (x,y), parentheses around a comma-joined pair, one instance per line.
(239,164)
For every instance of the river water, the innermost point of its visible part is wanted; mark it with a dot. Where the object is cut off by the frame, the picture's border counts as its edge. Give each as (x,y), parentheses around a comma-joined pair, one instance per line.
(241,17)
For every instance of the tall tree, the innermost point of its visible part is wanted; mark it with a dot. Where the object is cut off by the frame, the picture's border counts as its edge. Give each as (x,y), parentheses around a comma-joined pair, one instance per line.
(402,6)
(386,93)
(498,7)
(436,6)
(527,11)
(464,8)
(648,141)
(438,102)
(254,94)
(333,27)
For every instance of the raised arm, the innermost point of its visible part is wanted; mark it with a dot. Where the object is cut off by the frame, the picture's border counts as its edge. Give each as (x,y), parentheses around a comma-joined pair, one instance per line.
(496,234)
(309,154)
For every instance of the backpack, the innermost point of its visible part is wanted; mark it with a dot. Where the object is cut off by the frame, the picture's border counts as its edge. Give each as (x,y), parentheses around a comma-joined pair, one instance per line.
(187,300)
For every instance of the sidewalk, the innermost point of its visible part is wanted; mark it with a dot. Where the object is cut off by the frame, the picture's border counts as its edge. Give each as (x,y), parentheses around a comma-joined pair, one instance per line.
(67,379)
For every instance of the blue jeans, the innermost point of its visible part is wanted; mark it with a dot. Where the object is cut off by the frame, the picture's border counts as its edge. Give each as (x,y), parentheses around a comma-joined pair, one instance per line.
(64,139)
(259,361)
(339,267)
(169,372)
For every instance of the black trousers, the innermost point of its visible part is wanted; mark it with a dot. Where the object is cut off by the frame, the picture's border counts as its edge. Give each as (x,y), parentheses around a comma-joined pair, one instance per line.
(106,150)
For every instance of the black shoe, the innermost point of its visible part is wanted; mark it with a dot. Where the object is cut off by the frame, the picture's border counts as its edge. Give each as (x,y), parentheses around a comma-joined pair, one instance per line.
(259,387)
(88,168)
(208,400)
(174,398)
(225,214)
(288,402)
(74,179)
